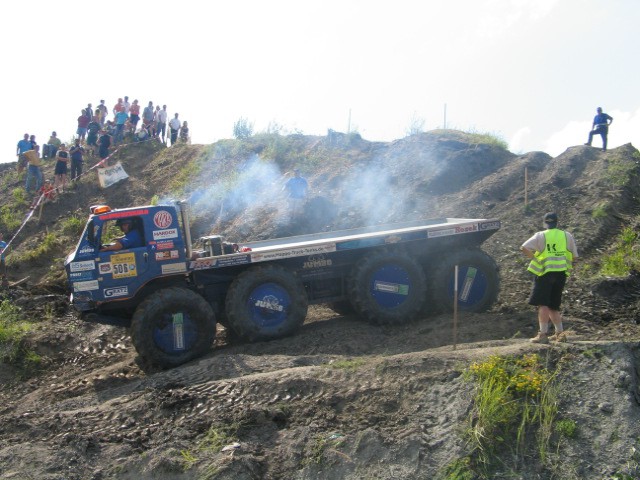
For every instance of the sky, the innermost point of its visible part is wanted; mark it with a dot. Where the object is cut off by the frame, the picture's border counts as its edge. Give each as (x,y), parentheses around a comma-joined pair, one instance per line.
(532,72)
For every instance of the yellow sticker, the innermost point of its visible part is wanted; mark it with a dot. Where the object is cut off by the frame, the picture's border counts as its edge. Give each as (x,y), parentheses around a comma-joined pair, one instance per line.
(123,265)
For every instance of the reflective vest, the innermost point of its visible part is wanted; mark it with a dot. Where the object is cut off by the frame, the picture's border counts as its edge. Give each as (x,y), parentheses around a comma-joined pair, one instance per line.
(555,257)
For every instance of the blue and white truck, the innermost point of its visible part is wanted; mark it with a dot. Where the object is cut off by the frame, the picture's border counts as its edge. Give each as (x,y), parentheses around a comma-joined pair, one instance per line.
(175,294)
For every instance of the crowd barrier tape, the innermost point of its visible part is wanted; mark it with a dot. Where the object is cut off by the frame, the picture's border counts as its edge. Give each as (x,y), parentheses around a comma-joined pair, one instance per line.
(41,198)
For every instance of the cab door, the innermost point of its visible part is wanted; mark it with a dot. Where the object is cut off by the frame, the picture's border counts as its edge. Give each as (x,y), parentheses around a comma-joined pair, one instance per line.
(122,272)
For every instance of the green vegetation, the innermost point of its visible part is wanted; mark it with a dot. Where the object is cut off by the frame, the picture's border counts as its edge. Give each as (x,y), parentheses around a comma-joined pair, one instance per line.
(73,226)
(620,170)
(600,211)
(217,437)
(10,219)
(242,128)
(13,330)
(567,428)
(515,400)
(321,444)
(488,138)
(45,247)
(458,469)
(625,256)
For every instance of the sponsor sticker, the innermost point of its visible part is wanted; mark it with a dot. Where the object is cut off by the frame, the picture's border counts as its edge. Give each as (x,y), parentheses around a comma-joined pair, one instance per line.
(269,302)
(116,292)
(162,219)
(227,261)
(391,287)
(86,250)
(168,245)
(167,255)
(164,234)
(82,266)
(293,252)
(490,225)
(174,268)
(81,276)
(440,233)
(317,261)
(467,228)
(104,268)
(128,213)
(85,286)
(123,265)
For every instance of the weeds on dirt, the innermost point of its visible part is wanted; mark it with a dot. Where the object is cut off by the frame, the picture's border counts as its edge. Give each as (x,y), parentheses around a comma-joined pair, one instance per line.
(487,138)
(625,256)
(216,438)
(632,469)
(620,169)
(567,428)
(322,444)
(73,226)
(350,365)
(13,330)
(514,399)
(46,246)
(458,469)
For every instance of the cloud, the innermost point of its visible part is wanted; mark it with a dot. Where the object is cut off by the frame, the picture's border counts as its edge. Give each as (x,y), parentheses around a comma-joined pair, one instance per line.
(499,16)
(519,139)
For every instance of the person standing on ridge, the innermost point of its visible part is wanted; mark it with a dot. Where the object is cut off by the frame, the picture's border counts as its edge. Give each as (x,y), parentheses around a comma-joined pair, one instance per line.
(24,145)
(161,117)
(76,153)
(552,253)
(174,127)
(600,127)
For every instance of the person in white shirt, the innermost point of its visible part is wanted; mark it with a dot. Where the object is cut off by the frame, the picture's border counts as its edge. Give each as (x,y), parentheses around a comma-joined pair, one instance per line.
(174,126)
(161,118)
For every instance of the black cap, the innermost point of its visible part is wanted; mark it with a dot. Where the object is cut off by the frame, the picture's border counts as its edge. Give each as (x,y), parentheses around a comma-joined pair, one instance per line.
(550,219)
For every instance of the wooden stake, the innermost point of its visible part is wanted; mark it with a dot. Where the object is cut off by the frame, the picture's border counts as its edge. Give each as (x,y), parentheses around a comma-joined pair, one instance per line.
(455,309)
(526,185)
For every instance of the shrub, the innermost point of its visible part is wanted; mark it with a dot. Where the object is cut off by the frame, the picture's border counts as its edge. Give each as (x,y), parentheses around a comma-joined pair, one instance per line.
(514,398)
(242,128)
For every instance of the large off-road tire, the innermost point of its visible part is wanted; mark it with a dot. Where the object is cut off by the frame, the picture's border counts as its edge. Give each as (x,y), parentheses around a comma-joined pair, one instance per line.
(173,326)
(478,281)
(387,288)
(266,302)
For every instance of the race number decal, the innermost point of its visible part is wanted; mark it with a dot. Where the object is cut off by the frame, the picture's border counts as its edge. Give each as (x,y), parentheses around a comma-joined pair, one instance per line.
(123,265)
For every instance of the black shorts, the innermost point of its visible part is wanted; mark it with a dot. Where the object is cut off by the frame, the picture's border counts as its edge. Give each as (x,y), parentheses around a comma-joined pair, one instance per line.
(547,290)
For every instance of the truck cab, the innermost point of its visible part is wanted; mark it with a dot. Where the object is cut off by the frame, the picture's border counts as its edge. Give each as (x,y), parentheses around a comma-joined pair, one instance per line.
(96,276)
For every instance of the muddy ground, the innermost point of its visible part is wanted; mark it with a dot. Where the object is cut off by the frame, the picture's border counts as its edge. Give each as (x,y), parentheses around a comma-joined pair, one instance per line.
(343,399)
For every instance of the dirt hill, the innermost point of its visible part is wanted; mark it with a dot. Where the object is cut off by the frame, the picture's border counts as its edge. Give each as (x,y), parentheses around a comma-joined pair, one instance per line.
(342,398)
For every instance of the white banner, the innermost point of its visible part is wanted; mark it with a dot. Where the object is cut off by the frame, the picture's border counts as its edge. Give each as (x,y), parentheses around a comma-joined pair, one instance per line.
(110,175)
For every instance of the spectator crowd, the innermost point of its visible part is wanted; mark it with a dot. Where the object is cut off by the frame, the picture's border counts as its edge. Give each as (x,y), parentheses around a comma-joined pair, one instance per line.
(96,134)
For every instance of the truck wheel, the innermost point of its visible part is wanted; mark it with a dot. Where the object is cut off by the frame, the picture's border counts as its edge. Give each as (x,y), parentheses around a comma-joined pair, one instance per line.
(173,326)
(478,281)
(266,302)
(387,288)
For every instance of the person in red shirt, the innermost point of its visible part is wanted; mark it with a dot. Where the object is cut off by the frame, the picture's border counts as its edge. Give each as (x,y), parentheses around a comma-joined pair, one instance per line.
(134,115)
(118,107)
(83,122)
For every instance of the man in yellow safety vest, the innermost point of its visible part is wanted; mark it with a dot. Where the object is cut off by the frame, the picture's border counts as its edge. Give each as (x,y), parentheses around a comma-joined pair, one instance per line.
(552,253)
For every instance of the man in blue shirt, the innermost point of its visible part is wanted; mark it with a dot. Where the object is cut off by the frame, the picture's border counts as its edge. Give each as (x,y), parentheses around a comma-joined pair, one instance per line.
(131,238)
(296,188)
(600,127)
(24,145)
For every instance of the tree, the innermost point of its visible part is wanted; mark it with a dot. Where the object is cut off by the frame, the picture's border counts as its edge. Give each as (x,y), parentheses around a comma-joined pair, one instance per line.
(242,128)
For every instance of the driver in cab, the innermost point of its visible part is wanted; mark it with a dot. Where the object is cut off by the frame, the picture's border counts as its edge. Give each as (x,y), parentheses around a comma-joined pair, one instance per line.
(130,239)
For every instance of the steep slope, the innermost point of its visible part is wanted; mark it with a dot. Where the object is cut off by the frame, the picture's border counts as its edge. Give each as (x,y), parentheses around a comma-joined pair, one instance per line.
(340,399)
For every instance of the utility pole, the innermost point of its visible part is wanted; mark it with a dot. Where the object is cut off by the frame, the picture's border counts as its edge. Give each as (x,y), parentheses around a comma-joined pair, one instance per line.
(349,124)
(445,117)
